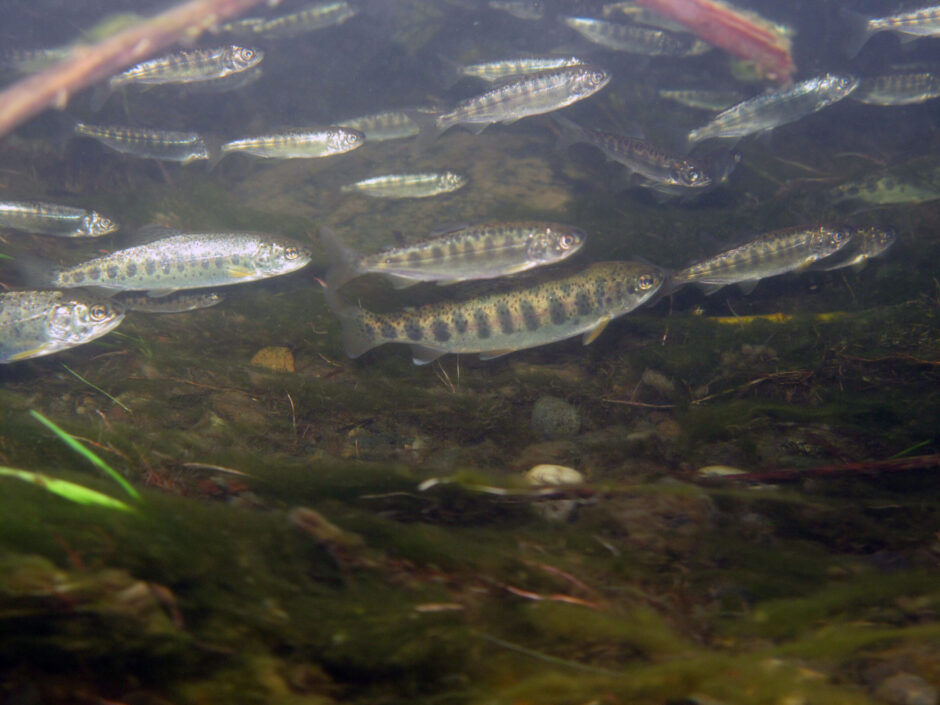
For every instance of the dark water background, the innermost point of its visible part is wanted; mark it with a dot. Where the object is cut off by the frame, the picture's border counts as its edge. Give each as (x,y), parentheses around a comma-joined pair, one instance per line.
(651,583)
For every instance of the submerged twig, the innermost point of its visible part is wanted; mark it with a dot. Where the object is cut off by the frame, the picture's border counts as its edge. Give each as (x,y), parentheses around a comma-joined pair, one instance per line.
(86,65)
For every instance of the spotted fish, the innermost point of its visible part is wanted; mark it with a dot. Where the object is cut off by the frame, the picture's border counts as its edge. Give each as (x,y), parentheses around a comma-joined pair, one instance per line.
(53,219)
(463,254)
(910,24)
(36,323)
(493,71)
(770,254)
(637,39)
(174,260)
(180,302)
(532,94)
(514,319)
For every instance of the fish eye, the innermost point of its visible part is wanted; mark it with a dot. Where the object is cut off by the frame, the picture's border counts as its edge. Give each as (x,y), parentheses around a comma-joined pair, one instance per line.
(247,54)
(598,76)
(645,282)
(291,253)
(98,312)
(566,242)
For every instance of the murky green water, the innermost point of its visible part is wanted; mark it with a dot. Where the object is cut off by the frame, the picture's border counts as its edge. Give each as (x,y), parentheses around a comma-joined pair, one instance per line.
(331,568)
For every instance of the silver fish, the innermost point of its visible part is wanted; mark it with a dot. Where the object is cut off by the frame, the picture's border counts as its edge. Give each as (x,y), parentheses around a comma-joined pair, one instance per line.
(492,71)
(36,323)
(386,125)
(637,39)
(189,66)
(179,302)
(53,219)
(520,9)
(778,107)
(639,156)
(910,24)
(898,89)
(300,143)
(176,260)
(313,17)
(866,243)
(515,318)
(528,95)
(407,185)
(703,99)
(770,254)
(471,252)
(165,145)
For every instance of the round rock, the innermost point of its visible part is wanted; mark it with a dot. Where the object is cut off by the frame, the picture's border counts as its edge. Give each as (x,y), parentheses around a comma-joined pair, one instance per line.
(554,418)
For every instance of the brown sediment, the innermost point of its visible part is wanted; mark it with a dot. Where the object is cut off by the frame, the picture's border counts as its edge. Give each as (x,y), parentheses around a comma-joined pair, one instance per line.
(86,65)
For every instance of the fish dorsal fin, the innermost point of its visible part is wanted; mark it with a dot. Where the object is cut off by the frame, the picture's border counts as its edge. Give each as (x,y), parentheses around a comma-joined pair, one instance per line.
(422,354)
(592,334)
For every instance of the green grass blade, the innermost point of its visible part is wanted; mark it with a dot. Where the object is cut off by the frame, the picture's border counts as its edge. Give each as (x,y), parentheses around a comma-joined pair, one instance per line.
(66,489)
(95,387)
(92,457)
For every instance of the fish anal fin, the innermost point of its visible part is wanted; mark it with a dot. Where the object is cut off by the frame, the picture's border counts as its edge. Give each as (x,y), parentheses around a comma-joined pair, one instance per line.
(26,354)
(398,281)
(747,286)
(477,127)
(493,354)
(592,334)
(423,354)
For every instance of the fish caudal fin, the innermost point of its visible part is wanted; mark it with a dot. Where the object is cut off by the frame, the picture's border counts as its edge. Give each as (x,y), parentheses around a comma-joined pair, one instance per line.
(342,259)
(35,272)
(355,340)
(428,129)
(857,32)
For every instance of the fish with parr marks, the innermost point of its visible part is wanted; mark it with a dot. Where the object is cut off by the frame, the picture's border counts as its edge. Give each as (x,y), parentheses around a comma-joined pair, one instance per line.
(514,318)
(165,145)
(408,185)
(465,253)
(301,143)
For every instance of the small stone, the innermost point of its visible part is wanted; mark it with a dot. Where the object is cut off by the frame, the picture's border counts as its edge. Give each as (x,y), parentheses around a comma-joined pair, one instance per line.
(555,418)
(719,471)
(907,689)
(542,475)
(276,359)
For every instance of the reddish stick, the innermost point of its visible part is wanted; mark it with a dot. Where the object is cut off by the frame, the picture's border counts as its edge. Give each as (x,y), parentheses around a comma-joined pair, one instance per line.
(86,65)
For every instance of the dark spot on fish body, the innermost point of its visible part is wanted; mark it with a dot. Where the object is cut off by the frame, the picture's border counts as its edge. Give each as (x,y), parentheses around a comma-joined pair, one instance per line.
(150,266)
(219,262)
(368,329)
(453,249)
(504,316)
(565,289)
(112,271)
(440,330)
(413,330)
(482,322)
(204,264)
(130,269)
(236,259)
(460,322)
(388,331)
(529,316)
(414,257)
(557,312)
(78,277)
(94,273)
(582,303)
(165,266)
(437,253)
(488,243)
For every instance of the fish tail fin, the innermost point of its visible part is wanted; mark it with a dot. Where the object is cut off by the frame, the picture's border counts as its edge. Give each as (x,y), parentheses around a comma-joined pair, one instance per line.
(36,272)
(428,129)
(214,147)
(569,132)
(100,95)
(450,71)
(857,31)
(355,340)
(342,259)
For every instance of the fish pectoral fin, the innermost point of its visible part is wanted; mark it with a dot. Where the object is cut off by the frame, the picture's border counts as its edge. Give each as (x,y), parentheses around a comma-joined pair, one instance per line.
(238,272)
(747,286)
(476,127)
(493,354)
(448,282)
(422,354)
(709,289)
(521,267)
(592,334)
(26,354)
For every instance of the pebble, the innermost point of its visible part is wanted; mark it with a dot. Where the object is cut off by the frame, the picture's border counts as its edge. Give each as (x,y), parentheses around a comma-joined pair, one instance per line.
(907,689)
(542,475)
(554,418)
(276,359)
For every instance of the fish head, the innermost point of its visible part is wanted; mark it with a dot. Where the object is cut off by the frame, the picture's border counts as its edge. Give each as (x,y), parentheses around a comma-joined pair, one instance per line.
(94,225)
(590,79)
(690,175)
(78,319)
(840,85)
(240,58)
(646,283)
(875,241)
(554,243)
(829,240)
(344,139)
(453,181)
(276,256)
